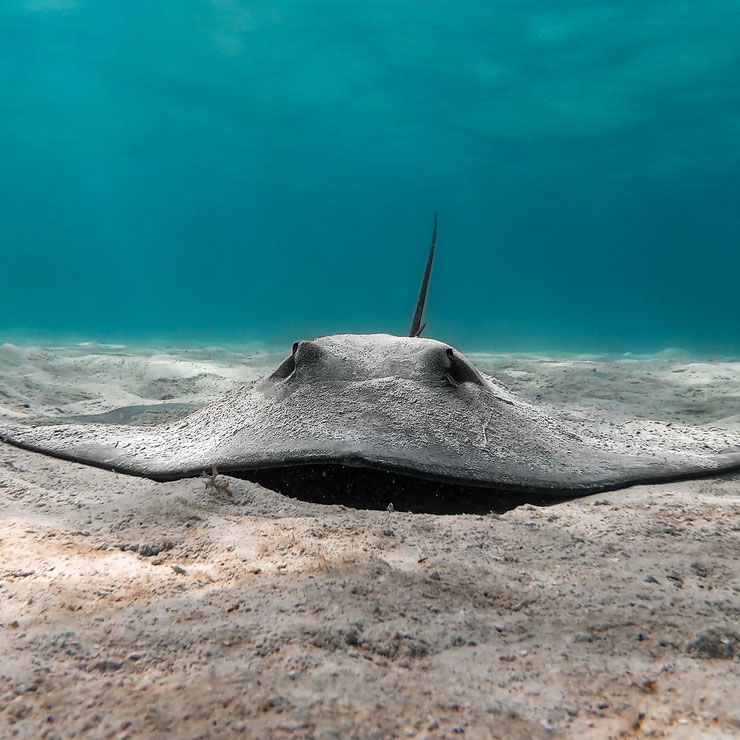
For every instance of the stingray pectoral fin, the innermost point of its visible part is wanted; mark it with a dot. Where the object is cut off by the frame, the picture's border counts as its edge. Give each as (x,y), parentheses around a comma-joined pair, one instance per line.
(727,461)
(138,451)
(609,472)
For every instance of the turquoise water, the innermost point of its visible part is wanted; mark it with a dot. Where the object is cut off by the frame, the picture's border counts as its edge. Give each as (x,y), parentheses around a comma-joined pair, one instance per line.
(269,170)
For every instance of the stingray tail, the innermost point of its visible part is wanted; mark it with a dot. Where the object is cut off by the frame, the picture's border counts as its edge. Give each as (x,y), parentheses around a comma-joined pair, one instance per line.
(416,326)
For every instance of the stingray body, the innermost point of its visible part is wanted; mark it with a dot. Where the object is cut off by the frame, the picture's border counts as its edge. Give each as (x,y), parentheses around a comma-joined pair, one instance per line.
(403,404)
(378,402)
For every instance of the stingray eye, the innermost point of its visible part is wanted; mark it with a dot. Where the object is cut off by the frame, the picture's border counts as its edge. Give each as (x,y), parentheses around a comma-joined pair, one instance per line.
(308,354)
(460,371)
(307,359)
(308,362)
(287,366)
(285,369)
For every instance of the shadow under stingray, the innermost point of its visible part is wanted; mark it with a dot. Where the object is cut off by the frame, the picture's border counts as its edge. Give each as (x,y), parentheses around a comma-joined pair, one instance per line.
(366,488)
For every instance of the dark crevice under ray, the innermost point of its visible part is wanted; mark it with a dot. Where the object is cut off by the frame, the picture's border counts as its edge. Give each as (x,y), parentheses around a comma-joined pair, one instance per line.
(366,488)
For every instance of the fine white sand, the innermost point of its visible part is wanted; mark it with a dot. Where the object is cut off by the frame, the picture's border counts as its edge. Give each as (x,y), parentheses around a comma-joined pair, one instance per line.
(130,608)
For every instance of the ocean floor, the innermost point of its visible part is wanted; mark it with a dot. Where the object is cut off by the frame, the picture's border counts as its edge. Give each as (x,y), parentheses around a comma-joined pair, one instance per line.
(130,608)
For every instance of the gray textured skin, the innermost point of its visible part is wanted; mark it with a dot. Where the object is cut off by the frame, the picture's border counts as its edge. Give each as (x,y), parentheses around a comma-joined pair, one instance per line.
(410,405)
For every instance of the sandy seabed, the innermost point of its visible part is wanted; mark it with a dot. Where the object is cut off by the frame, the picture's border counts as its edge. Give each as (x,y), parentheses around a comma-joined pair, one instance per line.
(130,608)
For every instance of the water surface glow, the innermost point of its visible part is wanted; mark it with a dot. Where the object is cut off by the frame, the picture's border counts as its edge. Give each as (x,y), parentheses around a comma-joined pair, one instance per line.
(269,171)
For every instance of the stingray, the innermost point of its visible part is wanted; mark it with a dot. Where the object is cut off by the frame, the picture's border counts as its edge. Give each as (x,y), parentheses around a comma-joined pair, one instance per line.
(393,404)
